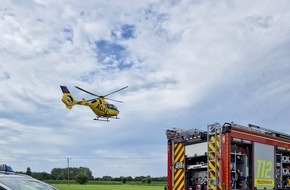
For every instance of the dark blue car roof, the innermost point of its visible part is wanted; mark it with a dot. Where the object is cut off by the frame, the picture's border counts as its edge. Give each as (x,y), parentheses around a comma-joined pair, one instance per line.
(6,168)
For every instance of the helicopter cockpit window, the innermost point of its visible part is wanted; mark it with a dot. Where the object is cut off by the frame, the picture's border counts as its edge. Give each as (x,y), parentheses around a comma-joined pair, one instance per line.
(111,106)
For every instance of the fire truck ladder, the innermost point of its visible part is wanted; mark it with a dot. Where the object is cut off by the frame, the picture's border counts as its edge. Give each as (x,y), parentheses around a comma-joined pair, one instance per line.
(214,156)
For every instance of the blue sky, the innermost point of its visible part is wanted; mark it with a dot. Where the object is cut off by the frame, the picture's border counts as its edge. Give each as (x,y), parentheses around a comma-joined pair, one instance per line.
(187,64)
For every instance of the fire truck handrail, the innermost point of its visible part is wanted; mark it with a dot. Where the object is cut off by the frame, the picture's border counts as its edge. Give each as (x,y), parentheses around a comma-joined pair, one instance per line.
(180,135)
(255,128)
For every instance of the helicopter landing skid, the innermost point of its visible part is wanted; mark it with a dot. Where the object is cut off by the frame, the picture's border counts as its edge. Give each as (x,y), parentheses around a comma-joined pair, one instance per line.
(99,119)
(105,118)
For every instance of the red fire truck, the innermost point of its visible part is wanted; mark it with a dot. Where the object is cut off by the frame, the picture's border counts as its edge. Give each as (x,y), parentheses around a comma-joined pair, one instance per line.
(228,156)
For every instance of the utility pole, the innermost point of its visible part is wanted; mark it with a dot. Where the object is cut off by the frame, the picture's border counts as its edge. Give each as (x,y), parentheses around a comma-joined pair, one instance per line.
(68,159)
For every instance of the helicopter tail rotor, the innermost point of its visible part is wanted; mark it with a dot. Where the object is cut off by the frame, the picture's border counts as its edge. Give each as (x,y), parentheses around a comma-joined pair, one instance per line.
(68,99)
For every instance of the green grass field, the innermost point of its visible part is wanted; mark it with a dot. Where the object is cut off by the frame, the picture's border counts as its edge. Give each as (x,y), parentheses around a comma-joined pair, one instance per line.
(107,187)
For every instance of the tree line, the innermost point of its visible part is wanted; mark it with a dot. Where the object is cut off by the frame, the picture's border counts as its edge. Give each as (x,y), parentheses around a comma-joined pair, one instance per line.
(84,174)
(129,178)
(80,175)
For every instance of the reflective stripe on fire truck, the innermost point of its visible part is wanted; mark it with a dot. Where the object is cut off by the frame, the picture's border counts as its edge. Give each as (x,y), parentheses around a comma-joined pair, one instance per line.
(214,173)
(178,166)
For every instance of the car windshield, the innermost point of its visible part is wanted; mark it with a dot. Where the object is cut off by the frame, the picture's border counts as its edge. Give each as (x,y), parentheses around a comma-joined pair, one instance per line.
(25,183)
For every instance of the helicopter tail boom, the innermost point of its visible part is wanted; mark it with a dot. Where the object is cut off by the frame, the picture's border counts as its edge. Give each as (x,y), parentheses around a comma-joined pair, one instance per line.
(68,99)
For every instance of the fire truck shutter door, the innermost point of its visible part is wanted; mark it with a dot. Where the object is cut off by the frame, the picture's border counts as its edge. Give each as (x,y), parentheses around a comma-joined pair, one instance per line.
(264,166)
(199,149)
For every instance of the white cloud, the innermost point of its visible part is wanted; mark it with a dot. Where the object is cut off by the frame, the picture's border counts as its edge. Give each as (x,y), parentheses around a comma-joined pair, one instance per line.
(188,64)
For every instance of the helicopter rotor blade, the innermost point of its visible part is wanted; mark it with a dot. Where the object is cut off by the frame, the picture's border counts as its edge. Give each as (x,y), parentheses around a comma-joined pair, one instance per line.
(90,100)
(116,91)
(87,91)
(102,96)
(114,100)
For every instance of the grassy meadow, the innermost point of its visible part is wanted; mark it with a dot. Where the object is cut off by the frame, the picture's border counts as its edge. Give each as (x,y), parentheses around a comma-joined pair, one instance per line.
(107,187)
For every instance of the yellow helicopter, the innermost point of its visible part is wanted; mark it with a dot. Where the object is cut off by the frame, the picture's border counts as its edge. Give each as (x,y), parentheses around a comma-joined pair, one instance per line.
(99,105)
